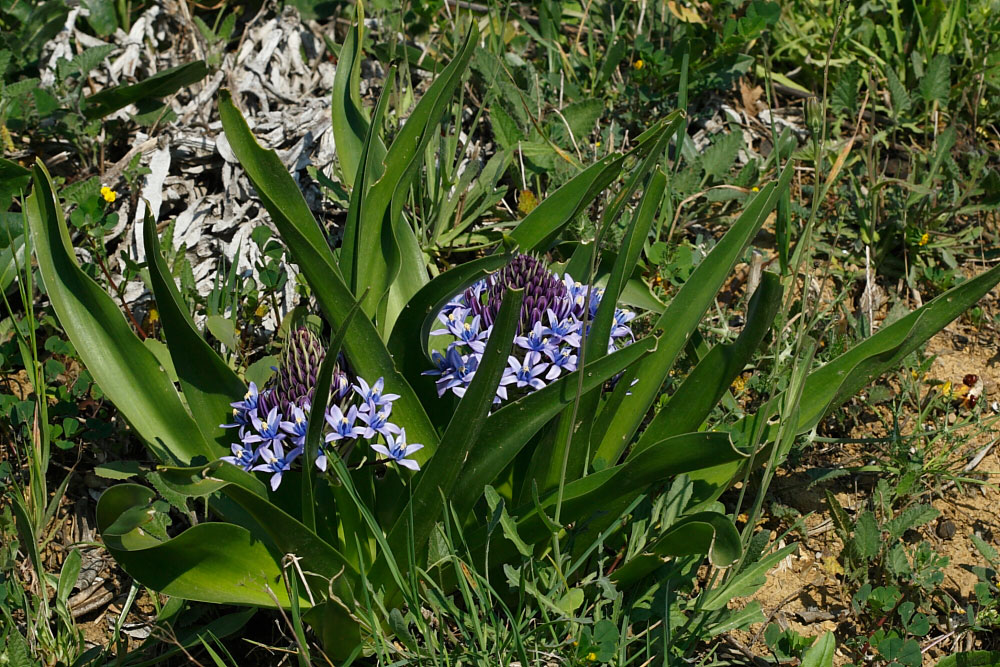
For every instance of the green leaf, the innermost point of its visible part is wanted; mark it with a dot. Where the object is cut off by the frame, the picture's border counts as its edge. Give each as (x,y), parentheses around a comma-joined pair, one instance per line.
(125,369)
(163,83)
(68,575)
(582,116)
(442,473)
(911,517)
(935,86)
(102,17)
(496,505)
(821,653)
(349,124)
(210,562)
(702,389)
(898,95)
(118,469)
(867,535)
(571,601)
(720,156)
(625,410)
(307,244)
(709,533)
(971,659)
(209,384)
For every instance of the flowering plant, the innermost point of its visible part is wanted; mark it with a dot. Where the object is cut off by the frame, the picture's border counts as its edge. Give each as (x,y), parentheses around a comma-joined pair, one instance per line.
(550,328)
(540,395)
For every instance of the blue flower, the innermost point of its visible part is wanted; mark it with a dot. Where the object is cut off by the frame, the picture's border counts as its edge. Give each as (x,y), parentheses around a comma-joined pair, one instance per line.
(469,333)
(276,461)
(378,422)
(621,328)
(459,371)
(298,428)
(524,374)
(563,360)
(566,330)
(268,431)
(536,341)
(243,409)
(242,457)
(373,396)
(343,425)
(397,450)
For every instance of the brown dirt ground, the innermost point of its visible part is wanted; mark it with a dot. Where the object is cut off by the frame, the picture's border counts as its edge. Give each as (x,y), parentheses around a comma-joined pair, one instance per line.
(805,591)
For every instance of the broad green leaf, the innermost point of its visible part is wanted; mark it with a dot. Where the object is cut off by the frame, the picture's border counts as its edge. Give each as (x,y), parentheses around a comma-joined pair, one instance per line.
(935,85)
(308,246)
(349,123)
(746,582)
(821,653)
(383,202)
(163,83)
(287,533)
(125,369)
(709,533)
(208,383)
(210,562)
(101,16)
(67,575)
(590,496)
(626,408)
(701,390)
(867,536)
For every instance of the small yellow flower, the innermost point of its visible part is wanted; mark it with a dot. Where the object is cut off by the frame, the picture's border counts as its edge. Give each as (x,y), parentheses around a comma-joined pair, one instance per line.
(924,238)
(592,656)
(755,189)
(109,195)
(945,389)
(638,64)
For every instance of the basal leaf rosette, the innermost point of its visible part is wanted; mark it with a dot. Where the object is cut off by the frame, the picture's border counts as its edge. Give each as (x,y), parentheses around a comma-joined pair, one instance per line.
(555,318)
(272,422)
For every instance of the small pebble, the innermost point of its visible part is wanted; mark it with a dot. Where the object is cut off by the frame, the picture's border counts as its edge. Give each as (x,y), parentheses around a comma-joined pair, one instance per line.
(945,529)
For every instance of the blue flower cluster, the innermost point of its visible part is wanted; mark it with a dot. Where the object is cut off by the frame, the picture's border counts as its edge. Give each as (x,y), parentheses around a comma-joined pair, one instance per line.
(272,441)
(549,336)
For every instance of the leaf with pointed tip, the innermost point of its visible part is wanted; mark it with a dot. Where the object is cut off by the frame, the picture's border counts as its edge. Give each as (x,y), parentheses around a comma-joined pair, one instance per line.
(163,83)
(127,372)
(709,533)
(211,562)
(625,410)
(701,390)
(300,231)
(209,384)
